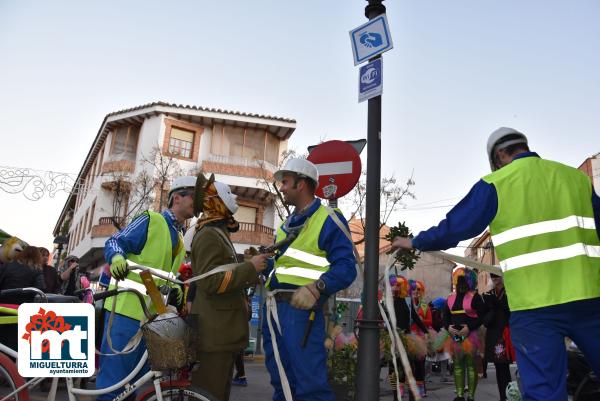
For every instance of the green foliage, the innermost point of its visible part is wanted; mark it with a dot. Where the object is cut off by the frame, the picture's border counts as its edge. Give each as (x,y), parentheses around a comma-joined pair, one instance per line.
(342,366)
(340,308)
(406,258)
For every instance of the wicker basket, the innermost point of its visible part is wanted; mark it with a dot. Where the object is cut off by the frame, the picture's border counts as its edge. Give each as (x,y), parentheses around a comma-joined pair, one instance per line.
(164,352)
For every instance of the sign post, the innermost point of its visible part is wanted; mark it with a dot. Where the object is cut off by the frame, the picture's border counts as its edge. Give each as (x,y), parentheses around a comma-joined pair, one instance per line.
(374,38)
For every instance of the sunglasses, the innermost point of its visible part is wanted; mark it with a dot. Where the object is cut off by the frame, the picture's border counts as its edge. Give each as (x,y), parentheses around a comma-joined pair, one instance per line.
(185,193)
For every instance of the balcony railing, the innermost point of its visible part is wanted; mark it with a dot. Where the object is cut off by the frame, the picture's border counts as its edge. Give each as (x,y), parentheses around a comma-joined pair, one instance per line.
(105,227)
(241,161)
(109,220)
(254,234)
(258,228)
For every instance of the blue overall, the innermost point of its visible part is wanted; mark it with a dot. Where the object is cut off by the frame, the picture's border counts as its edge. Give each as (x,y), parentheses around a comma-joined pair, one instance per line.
(306,368)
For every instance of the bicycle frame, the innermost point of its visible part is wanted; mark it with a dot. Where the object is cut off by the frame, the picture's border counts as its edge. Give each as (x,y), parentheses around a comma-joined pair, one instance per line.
(72,391)
(156,377)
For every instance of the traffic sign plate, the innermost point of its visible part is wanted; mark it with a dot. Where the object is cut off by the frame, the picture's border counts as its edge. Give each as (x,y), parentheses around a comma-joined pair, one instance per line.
(371,39)
(339,168)
(370,80)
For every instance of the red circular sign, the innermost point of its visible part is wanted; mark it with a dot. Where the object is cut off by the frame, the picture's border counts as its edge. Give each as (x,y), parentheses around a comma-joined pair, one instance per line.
(339,168)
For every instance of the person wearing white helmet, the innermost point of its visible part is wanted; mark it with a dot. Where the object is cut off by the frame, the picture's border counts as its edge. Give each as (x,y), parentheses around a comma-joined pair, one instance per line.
(151,239)
(544,219)
(317,263)
(219,310)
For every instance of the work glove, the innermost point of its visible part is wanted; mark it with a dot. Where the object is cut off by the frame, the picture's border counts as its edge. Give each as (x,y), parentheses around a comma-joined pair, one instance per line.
(118,267)
(305,297)
(176,296)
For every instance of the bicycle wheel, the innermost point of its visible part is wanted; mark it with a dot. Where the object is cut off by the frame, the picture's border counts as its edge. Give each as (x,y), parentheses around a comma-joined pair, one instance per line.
(588,389)
(10,380)
(179,394)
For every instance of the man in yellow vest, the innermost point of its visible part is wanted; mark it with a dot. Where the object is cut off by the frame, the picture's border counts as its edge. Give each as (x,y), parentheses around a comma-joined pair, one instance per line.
(318,263)
(154,240)
(544,218)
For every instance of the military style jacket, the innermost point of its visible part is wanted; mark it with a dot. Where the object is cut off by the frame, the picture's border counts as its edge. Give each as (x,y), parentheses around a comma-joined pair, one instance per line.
(219,309)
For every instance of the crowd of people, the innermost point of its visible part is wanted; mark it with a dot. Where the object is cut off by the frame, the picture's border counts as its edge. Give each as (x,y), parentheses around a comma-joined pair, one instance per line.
(467,329)
(29,266)
(543,218)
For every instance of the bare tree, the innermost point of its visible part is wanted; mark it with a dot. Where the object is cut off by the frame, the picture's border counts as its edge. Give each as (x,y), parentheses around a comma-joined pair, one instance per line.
(119,184)
(142,195)
(165,168)
(134,194)
(392,195)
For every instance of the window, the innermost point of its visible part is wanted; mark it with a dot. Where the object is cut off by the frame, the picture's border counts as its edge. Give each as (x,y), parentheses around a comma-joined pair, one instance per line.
(180,142)
(233,141)
(245,214)
(272,149)
(250,143)
(124,142)
(76,239)
(92,210)
(101,157)
(182,139)
(254,144)
(85,222)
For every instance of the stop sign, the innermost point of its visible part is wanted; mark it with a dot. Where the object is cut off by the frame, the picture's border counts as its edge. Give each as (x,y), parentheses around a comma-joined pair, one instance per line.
(339,168)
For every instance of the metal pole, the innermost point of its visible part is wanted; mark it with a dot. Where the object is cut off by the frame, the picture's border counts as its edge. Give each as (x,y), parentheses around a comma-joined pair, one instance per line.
(368,344)
(261,304)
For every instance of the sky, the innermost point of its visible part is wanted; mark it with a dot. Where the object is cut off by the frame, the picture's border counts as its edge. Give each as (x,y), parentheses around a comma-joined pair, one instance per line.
(458,71)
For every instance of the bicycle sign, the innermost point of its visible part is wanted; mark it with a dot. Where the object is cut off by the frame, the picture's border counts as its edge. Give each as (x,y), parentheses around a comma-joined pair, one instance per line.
(370,39)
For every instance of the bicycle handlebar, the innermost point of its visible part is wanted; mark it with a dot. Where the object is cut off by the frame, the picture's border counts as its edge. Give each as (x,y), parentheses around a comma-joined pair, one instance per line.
(135,266)
(19,291)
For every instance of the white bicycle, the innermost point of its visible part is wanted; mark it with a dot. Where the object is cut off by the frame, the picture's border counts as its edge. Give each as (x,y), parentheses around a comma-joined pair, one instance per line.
(166,385)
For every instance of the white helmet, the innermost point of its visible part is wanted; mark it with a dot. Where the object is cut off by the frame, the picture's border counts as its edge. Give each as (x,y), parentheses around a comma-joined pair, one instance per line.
(495,142)
(228,198)
(188,181)
(301,167)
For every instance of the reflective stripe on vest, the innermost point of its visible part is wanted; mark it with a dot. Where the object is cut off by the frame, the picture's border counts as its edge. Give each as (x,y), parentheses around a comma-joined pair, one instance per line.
(307,257)
(303,262)
(550,255)
(157,254)
(128,284)
(529,230)
(544,233)
(311,274)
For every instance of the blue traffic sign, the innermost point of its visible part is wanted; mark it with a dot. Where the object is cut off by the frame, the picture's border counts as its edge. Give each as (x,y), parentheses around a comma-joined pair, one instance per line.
(370,81)
(370,39)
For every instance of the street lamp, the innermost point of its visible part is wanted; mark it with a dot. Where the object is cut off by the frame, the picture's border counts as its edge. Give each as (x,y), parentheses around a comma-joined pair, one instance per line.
(59,241)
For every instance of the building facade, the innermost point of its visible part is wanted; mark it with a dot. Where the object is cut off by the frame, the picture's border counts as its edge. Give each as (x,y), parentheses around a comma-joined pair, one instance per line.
(138,151)
(434,272)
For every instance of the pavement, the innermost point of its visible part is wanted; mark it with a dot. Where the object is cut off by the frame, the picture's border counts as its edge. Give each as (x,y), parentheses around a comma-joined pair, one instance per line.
(259,388)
